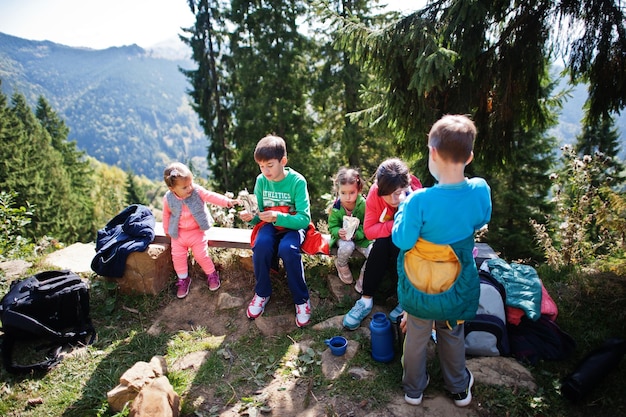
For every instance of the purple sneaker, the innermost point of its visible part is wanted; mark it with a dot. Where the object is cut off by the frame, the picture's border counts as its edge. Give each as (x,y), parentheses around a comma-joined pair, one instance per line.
(183,287)
(213,280)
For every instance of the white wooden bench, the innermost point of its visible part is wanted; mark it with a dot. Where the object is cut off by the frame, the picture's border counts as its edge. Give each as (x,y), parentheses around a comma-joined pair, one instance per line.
(224,237)
(151,271)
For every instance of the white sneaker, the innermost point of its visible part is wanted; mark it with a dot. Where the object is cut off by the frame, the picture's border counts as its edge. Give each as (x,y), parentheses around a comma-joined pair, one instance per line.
(303,314)
(256,306)
(418,400)
(413,401)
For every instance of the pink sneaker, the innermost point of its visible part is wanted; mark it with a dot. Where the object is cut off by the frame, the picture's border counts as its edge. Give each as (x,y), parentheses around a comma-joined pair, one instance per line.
(183,287)
(303,314)
(213,281)
(345,275)
(256,306)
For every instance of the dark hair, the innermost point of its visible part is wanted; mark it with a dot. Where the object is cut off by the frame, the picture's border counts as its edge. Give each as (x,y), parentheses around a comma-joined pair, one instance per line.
(453,137)
(348,176)
(270,147)
(391,175)
(174,171)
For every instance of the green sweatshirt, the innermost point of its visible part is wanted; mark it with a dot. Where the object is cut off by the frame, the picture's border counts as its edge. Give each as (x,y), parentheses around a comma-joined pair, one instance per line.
(335,222)
(290,192)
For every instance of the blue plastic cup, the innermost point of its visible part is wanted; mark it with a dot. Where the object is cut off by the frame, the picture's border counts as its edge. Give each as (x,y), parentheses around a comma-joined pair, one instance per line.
(337,345)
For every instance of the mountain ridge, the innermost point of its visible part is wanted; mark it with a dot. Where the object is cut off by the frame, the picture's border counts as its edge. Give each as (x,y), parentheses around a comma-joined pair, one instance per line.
(118,102)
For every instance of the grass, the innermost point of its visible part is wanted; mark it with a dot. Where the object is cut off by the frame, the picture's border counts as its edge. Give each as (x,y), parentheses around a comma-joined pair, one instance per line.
(591,309)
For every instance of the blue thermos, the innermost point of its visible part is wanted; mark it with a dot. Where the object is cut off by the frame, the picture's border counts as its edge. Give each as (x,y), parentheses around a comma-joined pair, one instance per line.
(381,337)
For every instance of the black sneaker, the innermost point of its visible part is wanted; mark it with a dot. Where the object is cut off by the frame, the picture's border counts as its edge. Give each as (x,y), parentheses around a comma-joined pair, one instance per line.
(461,399)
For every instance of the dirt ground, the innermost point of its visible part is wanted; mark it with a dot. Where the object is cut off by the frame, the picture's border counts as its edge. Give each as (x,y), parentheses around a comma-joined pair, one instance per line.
(284,395)
(222,313)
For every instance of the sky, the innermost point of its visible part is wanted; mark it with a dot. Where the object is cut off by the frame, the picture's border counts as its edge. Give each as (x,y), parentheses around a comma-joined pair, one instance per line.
(100,24)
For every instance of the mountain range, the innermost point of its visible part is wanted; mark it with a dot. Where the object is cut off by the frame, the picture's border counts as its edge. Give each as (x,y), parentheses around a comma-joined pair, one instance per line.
(125,106)
(128,107)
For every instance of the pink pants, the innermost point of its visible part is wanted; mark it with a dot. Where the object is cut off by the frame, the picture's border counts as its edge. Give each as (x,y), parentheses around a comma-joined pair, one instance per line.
(195,239)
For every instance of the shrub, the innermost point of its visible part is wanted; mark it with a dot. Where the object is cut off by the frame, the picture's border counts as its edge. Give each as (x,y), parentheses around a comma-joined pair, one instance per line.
(12,222)
(590,220)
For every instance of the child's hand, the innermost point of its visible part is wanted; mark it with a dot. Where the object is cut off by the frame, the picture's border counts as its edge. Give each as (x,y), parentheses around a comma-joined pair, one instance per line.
(232,203)
(245,216)
(342,234)
(268,216)
(403,322)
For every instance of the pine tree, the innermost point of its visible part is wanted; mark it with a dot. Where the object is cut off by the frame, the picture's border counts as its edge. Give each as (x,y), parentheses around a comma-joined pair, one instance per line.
(79,217)
(210,83)
(488,60)
(47,173)
(10,138)
(270,79)
(134,193)
(37,175)
(518,196)
(337,93)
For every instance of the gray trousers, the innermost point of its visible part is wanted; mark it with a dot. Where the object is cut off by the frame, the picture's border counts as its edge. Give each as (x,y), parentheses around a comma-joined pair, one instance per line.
(345,249)
(450,349)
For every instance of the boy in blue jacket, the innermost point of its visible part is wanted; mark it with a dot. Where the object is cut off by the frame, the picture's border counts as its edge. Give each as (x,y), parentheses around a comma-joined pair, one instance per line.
(438,284)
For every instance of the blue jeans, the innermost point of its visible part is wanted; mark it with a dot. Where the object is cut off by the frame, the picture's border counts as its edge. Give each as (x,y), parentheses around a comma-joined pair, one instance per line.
(286,244)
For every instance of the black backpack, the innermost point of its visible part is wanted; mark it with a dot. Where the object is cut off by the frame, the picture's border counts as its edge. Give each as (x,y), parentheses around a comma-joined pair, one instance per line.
(50,309)
(532,341)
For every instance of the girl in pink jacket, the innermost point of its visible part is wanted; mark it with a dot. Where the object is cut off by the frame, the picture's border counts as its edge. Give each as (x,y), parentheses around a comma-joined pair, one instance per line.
(393,184)
(186,219)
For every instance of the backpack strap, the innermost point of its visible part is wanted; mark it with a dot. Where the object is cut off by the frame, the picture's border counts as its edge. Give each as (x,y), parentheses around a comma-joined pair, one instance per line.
(8,344)
(16,319)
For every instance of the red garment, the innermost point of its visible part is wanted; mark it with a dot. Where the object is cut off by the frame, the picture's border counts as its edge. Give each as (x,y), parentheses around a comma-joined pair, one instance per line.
(548,307)
(376,224)
(314,241)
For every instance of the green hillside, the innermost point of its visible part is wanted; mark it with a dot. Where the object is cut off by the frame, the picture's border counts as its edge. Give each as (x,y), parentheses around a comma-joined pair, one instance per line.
(123,106)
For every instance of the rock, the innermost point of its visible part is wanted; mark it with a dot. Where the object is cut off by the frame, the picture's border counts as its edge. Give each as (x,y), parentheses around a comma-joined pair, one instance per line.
(501,371)
(159,365)
(147,272)
(194,361)
(15,269)
(339,290)
(359,373)
(77,257)
(119,396)
(139,375)
(432,406)
(331,323)
(246,263)
(133,380)
(333,366)
(157,399)
(226,301)
(275,325)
